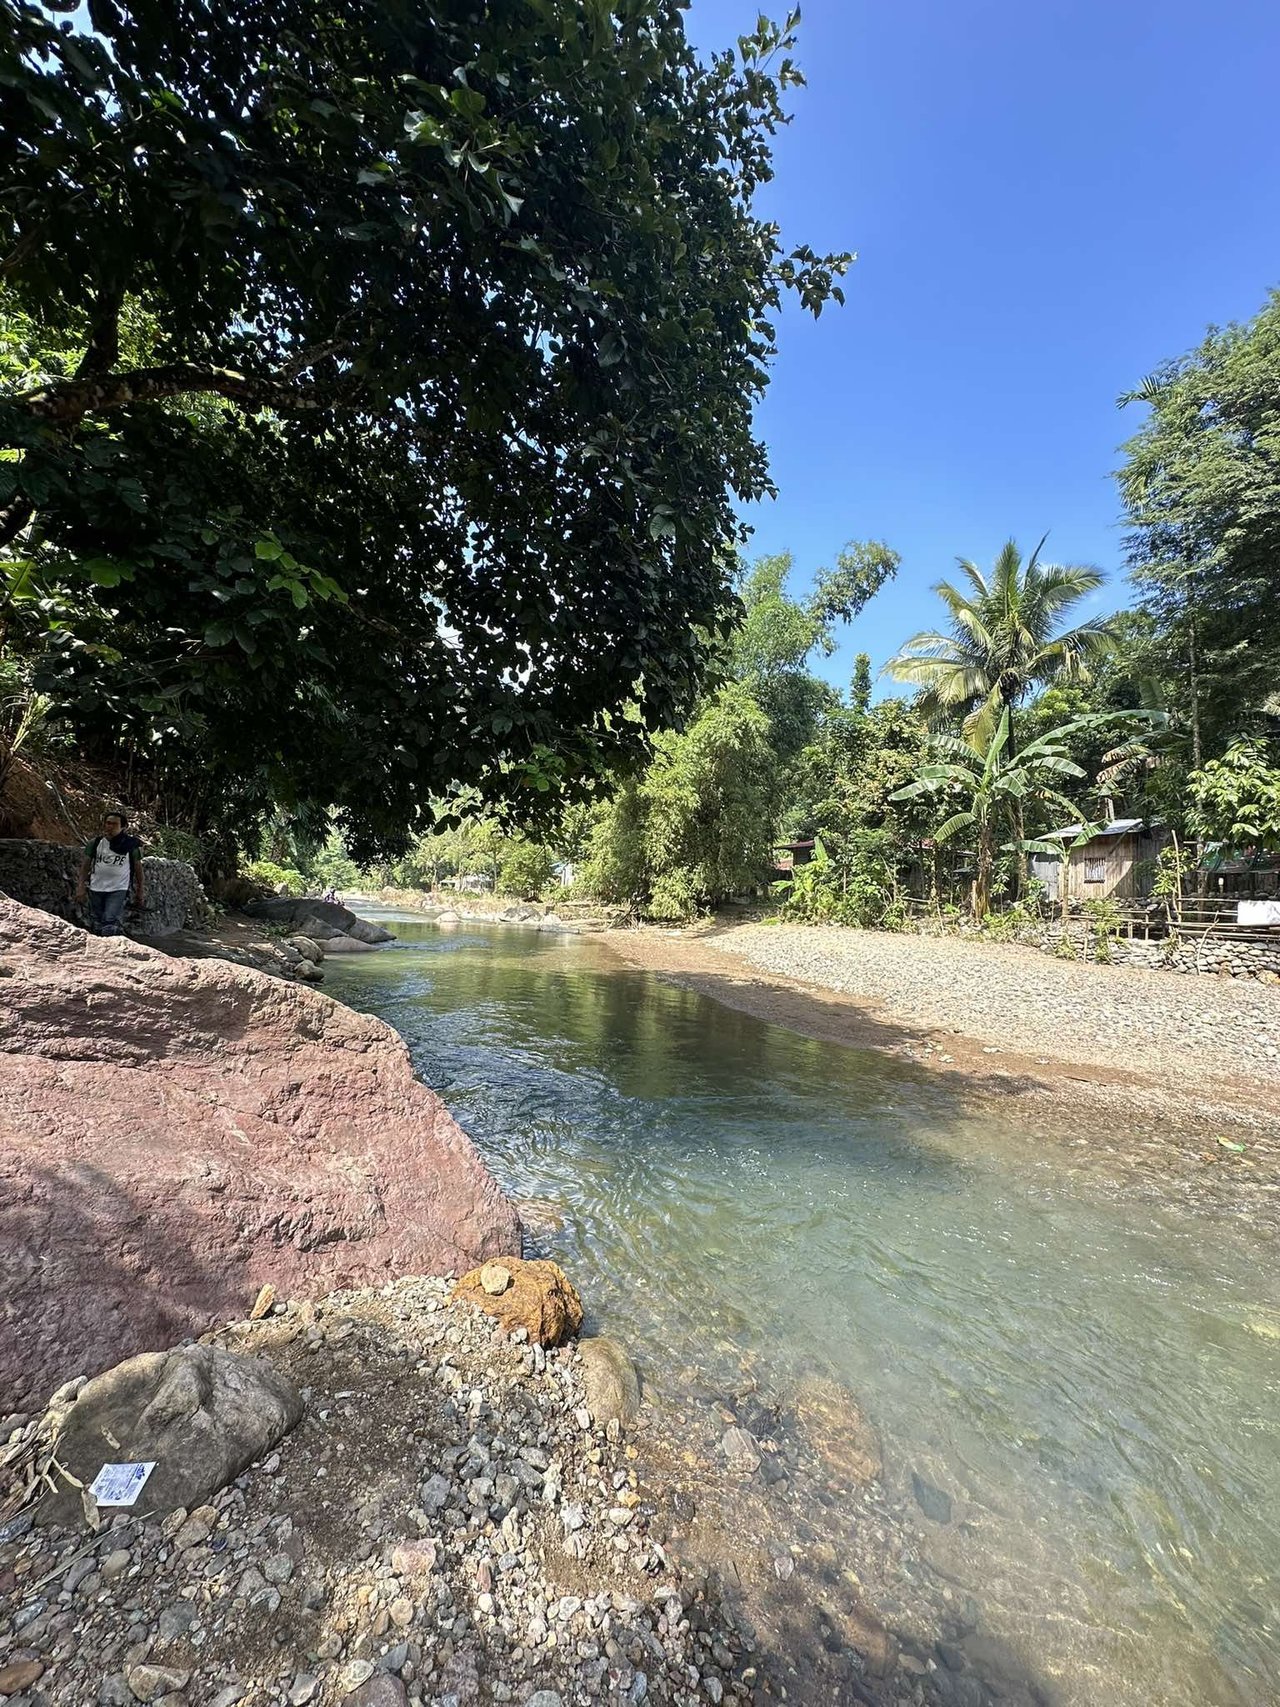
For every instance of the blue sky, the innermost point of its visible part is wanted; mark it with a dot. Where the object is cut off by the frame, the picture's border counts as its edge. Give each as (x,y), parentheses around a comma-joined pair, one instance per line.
(1048,198)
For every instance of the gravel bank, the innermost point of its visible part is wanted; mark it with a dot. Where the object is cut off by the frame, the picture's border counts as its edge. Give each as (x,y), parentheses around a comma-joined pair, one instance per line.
(446,1526)
(1018,999)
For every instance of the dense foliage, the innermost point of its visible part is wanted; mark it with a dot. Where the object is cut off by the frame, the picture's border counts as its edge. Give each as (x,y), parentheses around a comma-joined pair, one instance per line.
(1201,488)
(378,387)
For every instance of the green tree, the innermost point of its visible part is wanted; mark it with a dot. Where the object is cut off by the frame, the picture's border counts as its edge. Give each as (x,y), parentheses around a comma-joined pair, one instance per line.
(526,869)
(1003,639)
(860,686)
(698,826)
(1236,799)
(1201,490)
(331,866)
(389,389)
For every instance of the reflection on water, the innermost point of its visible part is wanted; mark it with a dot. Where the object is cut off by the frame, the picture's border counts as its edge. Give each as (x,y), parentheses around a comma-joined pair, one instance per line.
(1094,1380)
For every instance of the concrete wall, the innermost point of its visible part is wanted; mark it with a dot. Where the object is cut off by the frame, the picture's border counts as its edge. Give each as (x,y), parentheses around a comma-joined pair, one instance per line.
(43,874)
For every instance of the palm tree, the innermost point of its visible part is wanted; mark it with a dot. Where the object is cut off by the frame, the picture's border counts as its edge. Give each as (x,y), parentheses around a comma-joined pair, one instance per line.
(1002,640)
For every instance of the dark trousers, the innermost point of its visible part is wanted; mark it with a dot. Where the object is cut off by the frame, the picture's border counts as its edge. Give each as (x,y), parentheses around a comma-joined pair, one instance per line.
(106,909)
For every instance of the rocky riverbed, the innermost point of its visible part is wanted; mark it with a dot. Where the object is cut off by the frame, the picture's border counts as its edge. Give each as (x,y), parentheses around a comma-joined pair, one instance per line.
(449,1523)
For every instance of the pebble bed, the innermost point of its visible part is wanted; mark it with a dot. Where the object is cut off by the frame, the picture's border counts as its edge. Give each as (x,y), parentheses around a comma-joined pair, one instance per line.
(1019,999)
(446,1525)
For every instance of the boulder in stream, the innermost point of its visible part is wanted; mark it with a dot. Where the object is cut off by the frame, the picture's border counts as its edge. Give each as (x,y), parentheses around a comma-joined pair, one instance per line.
(175,1133)
(610,1379)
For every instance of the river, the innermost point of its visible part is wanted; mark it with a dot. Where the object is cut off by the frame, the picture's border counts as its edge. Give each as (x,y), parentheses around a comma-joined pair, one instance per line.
(1092,1378)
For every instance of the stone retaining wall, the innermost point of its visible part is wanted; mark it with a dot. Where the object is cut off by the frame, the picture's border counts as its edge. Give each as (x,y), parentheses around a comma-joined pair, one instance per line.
(1190,953)
(44,874)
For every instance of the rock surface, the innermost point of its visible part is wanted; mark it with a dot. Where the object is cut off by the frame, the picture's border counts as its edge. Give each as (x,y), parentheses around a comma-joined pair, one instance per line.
(610,1379)
(199,1413)
(834,1424)
(540,1300)
(174,1134)
(318,919)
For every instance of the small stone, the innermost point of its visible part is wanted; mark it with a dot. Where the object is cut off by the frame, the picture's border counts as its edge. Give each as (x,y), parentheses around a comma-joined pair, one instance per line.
(382,1690)
(303,1689)
(933,1502)
(176,1620)
(116,1564)
(196,1530)
(356,1673)
(228,1696)
(495,1279)
(263,1302)
(435,1494)
(401,1611)
(149,1683)
(19,1676)
(545,1698)
(742,1450)
(278,1569)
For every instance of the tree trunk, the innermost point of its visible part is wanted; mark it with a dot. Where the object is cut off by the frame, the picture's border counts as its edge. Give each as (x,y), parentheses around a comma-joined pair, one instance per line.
(1019,822)
(1193,675)
(982,878)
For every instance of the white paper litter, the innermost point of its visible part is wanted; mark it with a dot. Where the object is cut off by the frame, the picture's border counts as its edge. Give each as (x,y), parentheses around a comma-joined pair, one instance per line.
(120,1484)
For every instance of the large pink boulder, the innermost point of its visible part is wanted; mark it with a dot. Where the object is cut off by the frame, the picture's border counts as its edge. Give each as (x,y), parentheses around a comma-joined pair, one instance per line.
(176,1133)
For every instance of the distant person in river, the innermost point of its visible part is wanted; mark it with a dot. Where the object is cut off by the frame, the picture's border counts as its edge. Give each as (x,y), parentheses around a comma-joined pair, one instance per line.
(110,869)
(331,893)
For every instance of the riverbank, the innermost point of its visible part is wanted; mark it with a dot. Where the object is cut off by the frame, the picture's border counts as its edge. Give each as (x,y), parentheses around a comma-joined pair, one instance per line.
(451,1522)
(1140,1068)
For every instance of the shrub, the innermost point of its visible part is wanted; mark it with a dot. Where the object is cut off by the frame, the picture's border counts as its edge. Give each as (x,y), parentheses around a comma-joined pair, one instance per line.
(275,877)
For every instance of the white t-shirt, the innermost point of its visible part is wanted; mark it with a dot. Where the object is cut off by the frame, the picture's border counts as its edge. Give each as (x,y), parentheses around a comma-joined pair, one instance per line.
(110,870)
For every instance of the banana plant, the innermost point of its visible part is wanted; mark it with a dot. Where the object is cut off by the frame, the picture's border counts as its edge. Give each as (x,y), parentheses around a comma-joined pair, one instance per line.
(987,786)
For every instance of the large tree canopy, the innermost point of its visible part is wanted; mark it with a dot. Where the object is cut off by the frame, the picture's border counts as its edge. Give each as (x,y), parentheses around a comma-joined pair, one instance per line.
(1201,488)
(379,383)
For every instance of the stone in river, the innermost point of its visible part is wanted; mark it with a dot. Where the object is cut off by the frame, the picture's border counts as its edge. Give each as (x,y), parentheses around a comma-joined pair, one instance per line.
(832,1421)
(610,1379)
(742,1450)
(933,1502)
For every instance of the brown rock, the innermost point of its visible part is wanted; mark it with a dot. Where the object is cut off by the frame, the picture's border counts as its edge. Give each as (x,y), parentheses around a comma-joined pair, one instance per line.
(540,1299)
(176,1133)
(263,1302)
(872,1640)
(833,1423)
(19,1676)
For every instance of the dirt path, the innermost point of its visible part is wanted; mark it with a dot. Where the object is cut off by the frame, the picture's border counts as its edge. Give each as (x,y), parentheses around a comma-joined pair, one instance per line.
(1149,1070)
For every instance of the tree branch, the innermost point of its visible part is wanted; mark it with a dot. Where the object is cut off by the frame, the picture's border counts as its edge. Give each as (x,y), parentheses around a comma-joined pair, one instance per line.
(65,403)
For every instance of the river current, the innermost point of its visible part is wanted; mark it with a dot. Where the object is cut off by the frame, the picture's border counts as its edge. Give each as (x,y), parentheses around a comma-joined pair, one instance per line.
(1093,1378)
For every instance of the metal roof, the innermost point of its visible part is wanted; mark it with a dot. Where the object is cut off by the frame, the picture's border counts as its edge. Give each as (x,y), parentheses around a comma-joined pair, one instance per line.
(1117,827)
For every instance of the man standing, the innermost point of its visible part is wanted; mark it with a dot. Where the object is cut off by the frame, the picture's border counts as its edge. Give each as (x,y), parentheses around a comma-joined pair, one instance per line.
(112,864)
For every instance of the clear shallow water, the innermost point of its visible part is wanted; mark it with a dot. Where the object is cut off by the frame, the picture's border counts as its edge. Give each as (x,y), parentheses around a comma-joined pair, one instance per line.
(1095,1380)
